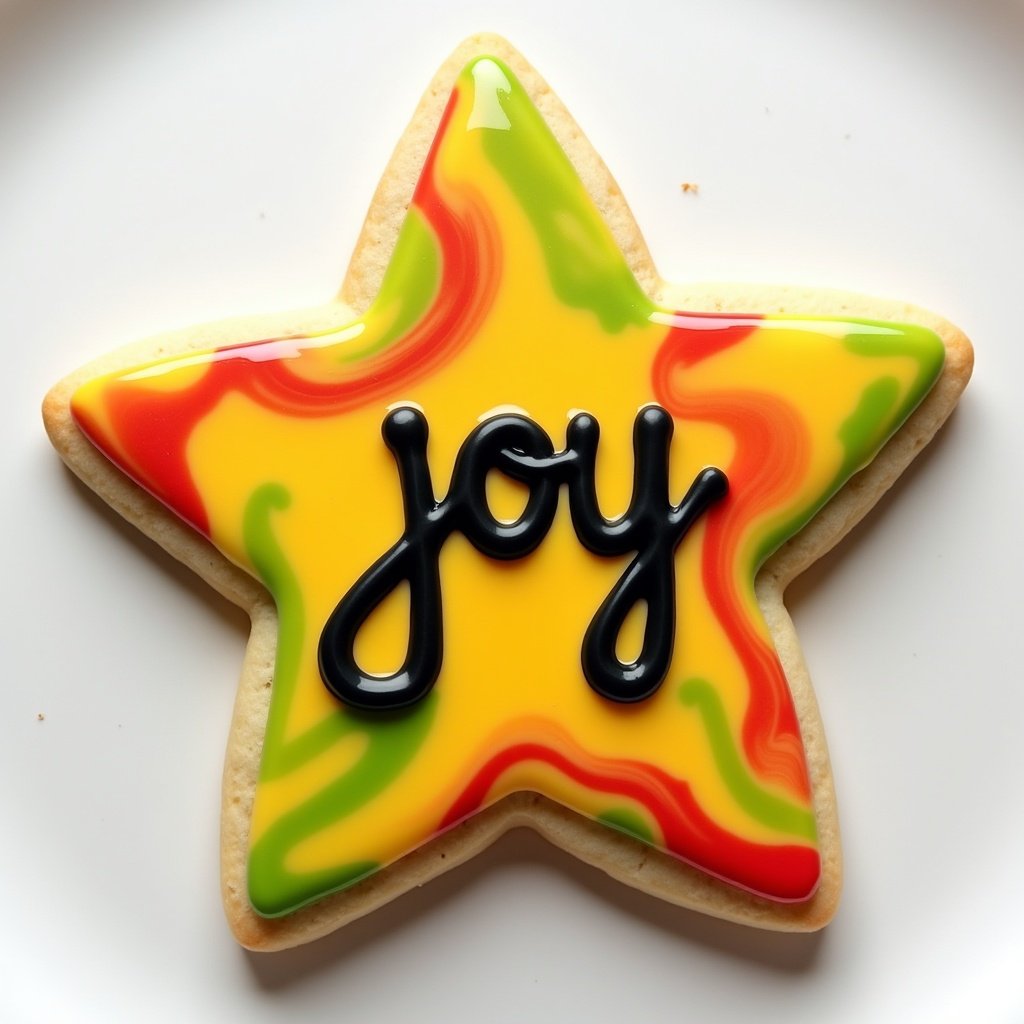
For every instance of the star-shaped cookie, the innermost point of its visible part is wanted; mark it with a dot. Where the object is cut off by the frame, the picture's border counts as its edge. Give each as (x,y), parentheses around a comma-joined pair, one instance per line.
(513,518)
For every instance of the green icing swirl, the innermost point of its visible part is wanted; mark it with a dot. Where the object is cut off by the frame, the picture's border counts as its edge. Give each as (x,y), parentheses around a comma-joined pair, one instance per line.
(881,411)
(772,811)
(623,819)
(586,268)
(393,738)
(409,285)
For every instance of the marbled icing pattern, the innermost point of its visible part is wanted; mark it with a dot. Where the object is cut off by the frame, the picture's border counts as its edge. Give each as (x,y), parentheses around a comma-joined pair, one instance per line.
(506,290)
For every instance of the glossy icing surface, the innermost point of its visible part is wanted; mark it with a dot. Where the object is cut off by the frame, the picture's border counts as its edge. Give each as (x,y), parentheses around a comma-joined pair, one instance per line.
(506,295)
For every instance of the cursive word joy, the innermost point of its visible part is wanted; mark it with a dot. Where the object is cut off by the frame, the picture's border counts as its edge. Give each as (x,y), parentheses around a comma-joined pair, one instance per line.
(651,527)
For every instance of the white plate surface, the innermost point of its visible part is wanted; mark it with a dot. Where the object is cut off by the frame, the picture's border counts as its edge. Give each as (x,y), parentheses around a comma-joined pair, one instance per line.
(169,163)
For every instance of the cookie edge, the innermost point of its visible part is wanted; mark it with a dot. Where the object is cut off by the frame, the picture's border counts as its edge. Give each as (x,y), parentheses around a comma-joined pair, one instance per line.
(626,859)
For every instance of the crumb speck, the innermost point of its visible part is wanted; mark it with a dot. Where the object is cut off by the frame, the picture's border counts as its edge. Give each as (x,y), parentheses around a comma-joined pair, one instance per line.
(40,717)
(690,186)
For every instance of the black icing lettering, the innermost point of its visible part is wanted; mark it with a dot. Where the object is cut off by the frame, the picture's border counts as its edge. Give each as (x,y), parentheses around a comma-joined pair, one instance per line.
(651,528)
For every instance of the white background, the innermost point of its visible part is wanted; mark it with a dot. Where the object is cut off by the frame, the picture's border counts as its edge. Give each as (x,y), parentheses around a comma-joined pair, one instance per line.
(167,163)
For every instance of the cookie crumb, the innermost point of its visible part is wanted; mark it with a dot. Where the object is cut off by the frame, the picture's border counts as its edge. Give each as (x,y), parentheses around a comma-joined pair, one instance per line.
(690,186)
